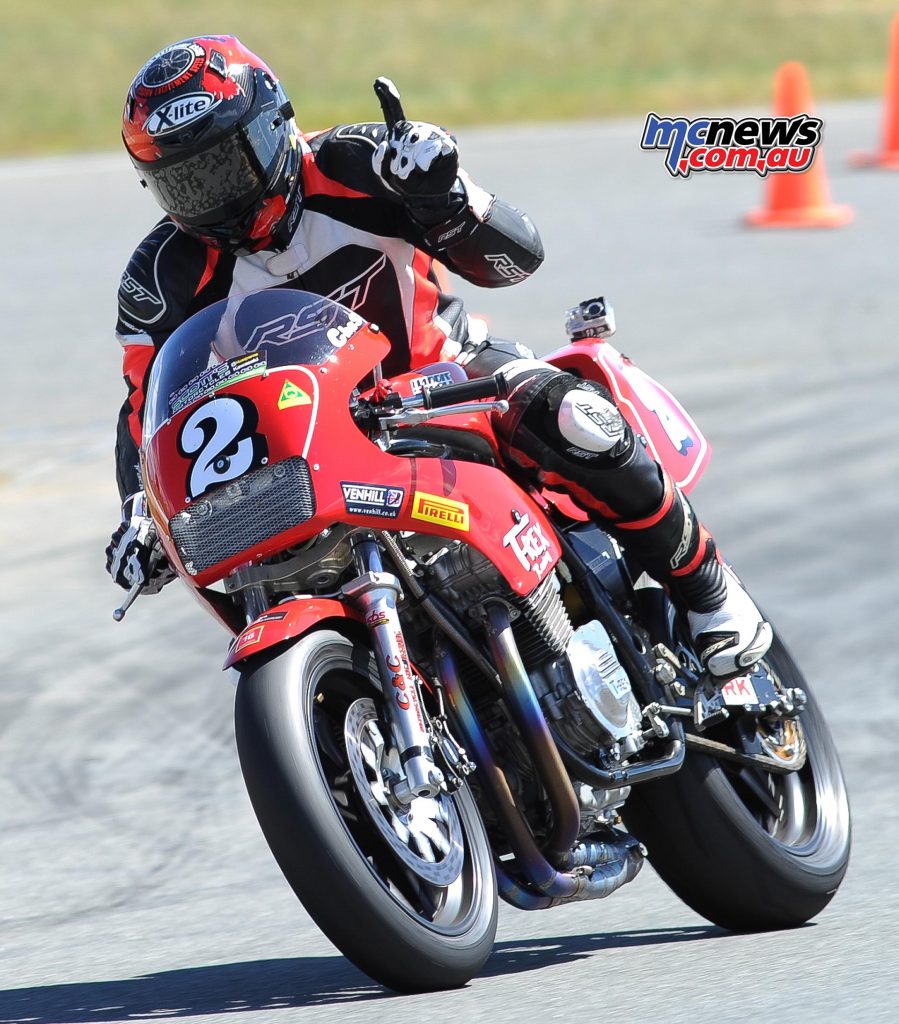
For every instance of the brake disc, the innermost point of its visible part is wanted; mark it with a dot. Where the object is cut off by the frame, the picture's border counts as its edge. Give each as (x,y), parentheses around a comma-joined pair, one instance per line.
(426,834)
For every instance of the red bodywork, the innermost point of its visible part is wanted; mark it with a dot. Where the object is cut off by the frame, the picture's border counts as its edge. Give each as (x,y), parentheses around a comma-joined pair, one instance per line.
(672,436)
(287,620)
(459,500)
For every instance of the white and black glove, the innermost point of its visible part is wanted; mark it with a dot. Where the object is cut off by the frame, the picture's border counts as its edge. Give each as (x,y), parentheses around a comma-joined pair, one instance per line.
(417,160)
(134,555)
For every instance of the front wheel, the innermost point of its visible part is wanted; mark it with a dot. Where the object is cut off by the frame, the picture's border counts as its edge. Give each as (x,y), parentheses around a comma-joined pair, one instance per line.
(746,848)
(407,892)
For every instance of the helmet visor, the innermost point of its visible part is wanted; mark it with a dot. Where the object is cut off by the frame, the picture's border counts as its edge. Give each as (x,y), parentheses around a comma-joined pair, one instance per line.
(222,181)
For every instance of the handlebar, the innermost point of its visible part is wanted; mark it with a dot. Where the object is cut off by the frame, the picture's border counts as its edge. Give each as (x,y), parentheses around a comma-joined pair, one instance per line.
(467,391)
(462,398)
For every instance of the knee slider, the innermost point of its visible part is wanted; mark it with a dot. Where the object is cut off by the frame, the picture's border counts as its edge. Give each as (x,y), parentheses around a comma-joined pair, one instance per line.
(589,422)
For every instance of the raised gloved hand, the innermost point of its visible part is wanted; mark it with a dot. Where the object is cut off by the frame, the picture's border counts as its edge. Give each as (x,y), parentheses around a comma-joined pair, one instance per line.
(416,159)
(134,555)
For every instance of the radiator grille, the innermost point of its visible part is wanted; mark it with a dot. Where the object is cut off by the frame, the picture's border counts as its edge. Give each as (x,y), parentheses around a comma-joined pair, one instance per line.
(238,515)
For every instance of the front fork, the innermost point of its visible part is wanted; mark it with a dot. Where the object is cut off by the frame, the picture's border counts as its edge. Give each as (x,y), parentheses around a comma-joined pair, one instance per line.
(375,593)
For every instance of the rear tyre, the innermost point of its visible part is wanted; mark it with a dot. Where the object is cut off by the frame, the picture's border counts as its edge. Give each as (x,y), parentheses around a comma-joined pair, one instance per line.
(750,849)
(410,899)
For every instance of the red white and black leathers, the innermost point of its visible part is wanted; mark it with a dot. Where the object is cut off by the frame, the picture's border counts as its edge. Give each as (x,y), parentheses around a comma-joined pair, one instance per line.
(350,236)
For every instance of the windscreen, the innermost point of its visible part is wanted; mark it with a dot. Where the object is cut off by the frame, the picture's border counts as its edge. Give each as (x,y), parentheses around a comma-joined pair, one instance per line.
(240,337)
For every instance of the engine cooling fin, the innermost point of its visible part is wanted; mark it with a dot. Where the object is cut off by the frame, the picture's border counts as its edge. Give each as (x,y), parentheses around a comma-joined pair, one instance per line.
(544,630)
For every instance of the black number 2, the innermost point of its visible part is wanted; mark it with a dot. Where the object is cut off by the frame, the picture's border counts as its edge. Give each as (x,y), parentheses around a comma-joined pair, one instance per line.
(220,439)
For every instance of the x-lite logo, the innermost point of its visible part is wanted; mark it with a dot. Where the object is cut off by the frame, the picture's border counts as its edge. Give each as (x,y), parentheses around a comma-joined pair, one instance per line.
(180,112)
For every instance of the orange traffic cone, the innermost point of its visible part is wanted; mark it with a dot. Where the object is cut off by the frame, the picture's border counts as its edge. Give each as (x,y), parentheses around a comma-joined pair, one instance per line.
(889,155)
(797,200)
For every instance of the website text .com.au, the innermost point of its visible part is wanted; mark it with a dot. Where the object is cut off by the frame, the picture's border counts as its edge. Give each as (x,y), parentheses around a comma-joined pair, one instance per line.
(757,144)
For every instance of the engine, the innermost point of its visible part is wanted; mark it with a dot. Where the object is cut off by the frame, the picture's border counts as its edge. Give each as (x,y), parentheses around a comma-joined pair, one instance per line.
(582,686)
(587,697)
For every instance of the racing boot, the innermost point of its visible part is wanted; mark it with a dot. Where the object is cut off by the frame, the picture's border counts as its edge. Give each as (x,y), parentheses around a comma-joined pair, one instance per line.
(728,632)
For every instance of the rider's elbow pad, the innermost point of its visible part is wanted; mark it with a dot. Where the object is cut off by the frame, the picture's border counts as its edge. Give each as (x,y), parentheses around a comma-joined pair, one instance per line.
(502,249)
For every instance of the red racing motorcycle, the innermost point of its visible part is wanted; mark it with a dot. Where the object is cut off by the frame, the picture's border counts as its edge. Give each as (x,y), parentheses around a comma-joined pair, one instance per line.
(454,686)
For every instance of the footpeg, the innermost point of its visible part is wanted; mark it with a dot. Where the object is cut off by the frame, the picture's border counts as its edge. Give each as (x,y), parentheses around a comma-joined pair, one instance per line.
(709,707)
(715,701)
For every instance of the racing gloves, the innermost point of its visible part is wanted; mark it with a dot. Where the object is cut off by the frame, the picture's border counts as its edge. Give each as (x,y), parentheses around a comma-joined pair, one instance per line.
(134,555)
(419,161)
(415,159)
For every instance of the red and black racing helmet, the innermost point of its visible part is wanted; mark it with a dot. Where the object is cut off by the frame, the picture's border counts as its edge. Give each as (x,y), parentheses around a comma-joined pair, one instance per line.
(211,133)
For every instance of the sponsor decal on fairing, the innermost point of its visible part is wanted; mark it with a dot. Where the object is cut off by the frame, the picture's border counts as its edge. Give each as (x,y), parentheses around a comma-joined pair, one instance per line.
(339,324)
(529,544)
(292,396)
(215,378)
(432,508)
(362,499)
(430,382)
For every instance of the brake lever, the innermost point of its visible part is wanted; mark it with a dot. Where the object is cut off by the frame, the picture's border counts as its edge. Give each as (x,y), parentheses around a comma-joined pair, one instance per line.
(412,417)
(130,598)
(136,588)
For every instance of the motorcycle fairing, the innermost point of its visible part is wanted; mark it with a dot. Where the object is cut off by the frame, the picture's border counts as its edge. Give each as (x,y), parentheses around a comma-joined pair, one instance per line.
(672,436)
(465,501)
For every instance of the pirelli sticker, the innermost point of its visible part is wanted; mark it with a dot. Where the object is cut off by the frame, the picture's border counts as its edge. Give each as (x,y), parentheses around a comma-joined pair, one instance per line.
(431,508)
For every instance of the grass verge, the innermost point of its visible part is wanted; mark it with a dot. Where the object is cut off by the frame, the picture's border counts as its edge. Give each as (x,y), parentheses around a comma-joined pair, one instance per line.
(68,63)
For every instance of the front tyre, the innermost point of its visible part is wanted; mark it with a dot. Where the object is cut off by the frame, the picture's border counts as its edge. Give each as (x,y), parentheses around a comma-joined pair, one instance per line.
(408,894)
(746,848)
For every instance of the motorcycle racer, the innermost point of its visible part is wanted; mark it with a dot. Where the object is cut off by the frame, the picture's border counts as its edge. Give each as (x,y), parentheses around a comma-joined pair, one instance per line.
(358,213)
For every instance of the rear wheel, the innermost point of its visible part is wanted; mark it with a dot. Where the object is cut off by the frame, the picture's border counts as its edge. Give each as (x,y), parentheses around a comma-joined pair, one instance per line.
(407,892)
(746,847)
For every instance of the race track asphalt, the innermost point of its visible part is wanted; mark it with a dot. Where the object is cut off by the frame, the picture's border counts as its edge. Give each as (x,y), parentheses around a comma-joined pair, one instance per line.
(134,882)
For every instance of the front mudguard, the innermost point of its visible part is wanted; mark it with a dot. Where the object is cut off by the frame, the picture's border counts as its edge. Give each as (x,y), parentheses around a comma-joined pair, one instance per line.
(287,621)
